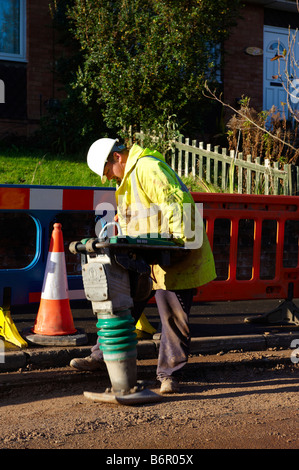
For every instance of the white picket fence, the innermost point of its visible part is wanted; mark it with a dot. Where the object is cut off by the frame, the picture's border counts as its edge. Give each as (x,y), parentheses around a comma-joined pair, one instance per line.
(231,171)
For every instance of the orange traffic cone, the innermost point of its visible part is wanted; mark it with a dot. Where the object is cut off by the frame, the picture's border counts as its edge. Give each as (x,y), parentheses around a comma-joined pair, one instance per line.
(54,316)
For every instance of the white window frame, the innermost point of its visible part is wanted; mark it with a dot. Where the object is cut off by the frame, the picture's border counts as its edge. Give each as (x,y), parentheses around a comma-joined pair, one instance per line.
(21,57)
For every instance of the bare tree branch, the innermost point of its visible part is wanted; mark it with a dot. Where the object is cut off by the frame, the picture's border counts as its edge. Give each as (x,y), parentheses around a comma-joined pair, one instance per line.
(263,129)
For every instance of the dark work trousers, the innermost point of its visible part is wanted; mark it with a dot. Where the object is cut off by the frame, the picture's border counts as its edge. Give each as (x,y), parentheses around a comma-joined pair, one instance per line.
(174,309)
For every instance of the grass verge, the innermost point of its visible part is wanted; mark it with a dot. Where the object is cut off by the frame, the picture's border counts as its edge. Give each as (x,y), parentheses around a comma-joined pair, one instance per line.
(34,167)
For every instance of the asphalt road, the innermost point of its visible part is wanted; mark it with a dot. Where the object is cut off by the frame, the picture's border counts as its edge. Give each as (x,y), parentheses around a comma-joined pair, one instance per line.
(236,400)
(228,401)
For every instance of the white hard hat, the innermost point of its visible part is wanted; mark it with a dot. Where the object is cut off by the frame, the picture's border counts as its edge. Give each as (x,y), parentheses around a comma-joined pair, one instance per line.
(99,152)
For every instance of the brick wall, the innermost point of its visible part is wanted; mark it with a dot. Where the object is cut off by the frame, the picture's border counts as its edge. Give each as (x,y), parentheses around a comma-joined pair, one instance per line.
(41,82)
(42,51)
(243,74)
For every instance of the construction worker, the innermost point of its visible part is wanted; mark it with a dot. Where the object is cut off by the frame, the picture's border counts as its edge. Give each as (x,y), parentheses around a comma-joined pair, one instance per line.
(148,195)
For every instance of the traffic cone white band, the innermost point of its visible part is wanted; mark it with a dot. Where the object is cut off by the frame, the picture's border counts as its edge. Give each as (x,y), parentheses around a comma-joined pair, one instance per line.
(55,285)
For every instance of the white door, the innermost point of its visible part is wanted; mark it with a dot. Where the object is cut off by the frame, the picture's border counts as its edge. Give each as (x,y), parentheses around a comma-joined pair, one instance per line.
(276,40)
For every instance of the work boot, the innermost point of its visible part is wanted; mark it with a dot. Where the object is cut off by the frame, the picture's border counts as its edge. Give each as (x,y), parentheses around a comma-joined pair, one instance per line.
(87,364)
(169,385)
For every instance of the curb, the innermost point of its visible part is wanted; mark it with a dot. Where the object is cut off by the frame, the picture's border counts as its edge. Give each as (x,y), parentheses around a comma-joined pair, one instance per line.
(214,345)
(146,349)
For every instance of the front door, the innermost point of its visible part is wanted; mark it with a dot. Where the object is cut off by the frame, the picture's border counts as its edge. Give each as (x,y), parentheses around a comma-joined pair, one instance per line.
(276,82)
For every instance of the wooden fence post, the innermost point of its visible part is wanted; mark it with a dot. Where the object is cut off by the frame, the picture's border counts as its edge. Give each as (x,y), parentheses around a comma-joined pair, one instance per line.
(220,168)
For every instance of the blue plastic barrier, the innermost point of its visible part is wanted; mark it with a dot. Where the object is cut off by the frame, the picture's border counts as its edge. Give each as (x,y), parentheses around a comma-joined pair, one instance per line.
(43,204)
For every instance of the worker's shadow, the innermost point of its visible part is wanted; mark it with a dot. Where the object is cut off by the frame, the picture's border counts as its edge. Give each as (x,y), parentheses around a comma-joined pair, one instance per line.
(197,391)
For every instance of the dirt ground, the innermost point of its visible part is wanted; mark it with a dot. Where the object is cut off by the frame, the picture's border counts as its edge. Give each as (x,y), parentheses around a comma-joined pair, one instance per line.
(236,407)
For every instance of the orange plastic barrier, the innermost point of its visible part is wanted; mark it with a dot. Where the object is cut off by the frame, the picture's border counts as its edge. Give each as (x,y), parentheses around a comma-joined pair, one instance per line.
(255,244)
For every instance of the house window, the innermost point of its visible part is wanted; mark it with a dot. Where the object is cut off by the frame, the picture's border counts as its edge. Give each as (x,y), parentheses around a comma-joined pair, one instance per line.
(13,30)
(214,61)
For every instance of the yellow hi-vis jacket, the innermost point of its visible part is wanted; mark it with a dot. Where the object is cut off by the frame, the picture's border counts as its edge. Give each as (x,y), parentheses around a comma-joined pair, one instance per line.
(152,199)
